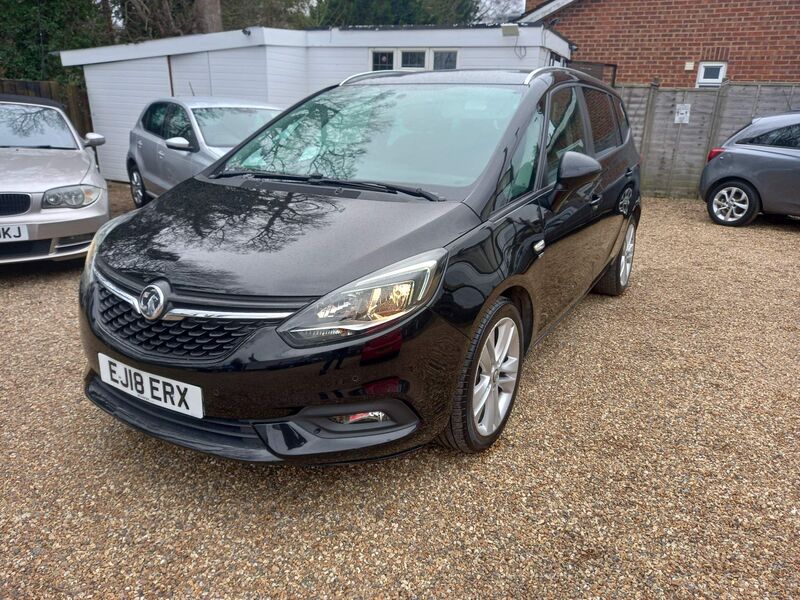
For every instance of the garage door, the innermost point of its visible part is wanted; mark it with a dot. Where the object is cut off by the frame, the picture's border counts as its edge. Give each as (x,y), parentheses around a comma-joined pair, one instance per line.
(118,91)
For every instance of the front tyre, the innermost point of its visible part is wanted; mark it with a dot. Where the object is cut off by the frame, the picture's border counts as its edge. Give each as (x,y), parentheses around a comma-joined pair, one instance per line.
(489,381)
(618,276)
(733,204)
(138,191)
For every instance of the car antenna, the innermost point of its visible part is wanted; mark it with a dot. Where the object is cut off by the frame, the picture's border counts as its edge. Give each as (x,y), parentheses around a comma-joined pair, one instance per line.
(191,88)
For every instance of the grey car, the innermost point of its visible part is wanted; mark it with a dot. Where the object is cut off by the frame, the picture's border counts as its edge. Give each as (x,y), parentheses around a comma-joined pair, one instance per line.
(52,196)
(176,138)
(756,171)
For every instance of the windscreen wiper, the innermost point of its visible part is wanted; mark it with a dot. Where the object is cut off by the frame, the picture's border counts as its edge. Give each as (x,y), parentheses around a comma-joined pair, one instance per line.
(317,179)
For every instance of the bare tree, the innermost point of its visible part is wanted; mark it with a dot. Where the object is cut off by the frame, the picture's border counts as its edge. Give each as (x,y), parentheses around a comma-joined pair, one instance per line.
(208,16)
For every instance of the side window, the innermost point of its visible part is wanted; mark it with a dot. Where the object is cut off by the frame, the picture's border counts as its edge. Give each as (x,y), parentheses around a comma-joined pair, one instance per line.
(564,130)
(521,176)
(785,137)
(179,125)
(622,119)
(153,120)
(601,118)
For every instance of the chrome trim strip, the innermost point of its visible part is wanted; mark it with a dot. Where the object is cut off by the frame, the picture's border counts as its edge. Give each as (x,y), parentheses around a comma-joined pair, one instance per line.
(178,314)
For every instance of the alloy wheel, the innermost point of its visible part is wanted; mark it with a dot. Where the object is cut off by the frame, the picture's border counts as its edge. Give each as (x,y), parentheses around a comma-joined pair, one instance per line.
(626,259)
(730,204)
(496,377)
(137,189)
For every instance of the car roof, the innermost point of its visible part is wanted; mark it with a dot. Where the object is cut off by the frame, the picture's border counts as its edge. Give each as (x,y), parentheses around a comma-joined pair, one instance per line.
(32,100)
(475,76)
(212,101)
(789,118)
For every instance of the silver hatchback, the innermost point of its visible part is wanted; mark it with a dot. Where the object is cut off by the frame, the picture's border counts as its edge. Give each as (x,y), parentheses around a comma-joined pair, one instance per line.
(176,138)
(757,170)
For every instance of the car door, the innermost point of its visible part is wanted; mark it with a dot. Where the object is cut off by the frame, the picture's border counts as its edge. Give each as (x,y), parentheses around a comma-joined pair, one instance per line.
(570,233)
(616,182)
(178,165)
(149,143)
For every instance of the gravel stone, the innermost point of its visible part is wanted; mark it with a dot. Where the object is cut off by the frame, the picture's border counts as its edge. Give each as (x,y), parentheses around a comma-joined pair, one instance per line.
(653,452)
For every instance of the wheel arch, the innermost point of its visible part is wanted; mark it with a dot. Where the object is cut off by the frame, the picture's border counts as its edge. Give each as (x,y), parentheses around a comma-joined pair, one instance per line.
(521,298)
(730,179)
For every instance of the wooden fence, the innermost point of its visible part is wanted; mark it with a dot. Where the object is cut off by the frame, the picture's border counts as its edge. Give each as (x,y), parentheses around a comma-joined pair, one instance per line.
(674,128)
(72,96)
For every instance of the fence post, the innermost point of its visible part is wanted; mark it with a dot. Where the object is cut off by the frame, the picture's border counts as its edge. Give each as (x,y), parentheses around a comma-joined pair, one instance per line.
(649,115)
(719,103)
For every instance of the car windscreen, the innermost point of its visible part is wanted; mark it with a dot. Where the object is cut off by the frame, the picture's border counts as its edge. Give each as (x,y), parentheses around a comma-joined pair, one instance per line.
(420,134)
(226,126)
(29,126)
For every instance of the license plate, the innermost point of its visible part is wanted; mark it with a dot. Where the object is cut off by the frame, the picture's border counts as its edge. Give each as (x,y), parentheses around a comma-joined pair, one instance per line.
(167,393)
(13,233)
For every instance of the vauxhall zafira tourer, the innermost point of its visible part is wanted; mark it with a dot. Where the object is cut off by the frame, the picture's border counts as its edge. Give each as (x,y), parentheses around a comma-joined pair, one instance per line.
(365,273)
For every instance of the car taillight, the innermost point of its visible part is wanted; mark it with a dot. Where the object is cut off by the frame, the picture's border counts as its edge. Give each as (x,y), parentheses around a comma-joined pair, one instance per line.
(715,152)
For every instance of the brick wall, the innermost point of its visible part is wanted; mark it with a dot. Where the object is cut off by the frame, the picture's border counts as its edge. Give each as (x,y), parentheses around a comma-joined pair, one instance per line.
(759,39)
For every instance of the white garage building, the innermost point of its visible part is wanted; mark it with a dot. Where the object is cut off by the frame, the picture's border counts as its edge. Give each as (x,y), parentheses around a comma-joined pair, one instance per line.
(281,66)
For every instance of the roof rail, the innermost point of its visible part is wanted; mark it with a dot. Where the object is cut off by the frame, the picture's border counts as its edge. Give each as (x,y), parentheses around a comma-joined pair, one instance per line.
(536,72)
(372,74)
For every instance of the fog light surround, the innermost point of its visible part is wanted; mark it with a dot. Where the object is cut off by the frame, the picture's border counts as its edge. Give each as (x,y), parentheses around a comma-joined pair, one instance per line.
(375,416)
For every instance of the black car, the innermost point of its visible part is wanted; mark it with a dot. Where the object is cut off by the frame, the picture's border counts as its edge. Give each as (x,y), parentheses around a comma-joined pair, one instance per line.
(365,273)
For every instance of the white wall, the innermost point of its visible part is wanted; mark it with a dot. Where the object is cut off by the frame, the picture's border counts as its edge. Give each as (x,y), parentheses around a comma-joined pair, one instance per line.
(286,75)
(117,93)
(327,66)
(239,73)
(190,73)
(500,58)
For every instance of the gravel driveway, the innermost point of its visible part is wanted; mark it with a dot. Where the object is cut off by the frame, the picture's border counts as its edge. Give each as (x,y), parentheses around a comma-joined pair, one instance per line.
(654,451)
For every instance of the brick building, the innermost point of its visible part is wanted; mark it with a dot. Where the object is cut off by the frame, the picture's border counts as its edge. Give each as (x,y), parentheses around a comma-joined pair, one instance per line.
(684,43)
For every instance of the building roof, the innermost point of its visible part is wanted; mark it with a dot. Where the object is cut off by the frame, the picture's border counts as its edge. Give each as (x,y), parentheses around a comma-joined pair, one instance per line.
(544,10)
(366,37)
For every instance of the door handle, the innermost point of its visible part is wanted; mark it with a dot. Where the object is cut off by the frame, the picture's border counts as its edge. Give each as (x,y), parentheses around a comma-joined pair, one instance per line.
(139,144)
(161,154)
(629,172)
(595,199)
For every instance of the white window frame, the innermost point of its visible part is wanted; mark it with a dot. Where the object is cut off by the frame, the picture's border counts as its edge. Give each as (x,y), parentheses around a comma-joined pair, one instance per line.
(706,82)
(398,58)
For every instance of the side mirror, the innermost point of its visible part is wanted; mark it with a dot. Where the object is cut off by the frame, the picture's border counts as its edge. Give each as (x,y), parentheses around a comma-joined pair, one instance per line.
(179,143)
(576,170)
(93,140)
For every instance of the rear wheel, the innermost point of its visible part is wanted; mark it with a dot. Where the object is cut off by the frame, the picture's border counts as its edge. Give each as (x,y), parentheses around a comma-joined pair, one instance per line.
(618,276)
(138,191)
(733,204)
(489,381)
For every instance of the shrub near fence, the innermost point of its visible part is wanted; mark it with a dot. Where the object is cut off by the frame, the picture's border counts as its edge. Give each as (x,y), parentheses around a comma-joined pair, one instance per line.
(674,153)
(72,96)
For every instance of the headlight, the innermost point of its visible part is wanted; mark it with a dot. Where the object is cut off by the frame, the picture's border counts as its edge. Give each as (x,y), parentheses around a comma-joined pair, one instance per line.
(73,196)
(370,303)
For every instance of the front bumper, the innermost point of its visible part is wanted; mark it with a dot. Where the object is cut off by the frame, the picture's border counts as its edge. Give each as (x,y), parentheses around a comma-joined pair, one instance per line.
(54,234)
(270,402)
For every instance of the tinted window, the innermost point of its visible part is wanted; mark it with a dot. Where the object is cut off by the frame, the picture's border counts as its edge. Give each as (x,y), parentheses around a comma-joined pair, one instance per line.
(153,120)
(178,125)
(622,119)
(383,61)
(27,126)
(226,126)
(444,60)
(601,119)
(564,130)
(785,137)
(439,135)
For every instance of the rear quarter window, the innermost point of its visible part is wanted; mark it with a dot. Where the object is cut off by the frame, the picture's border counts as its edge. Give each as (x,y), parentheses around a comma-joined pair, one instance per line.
(783,137)
(605,133)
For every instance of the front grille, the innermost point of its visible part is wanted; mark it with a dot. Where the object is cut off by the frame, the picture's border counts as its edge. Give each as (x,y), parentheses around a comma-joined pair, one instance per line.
(14,204)
(191,337)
